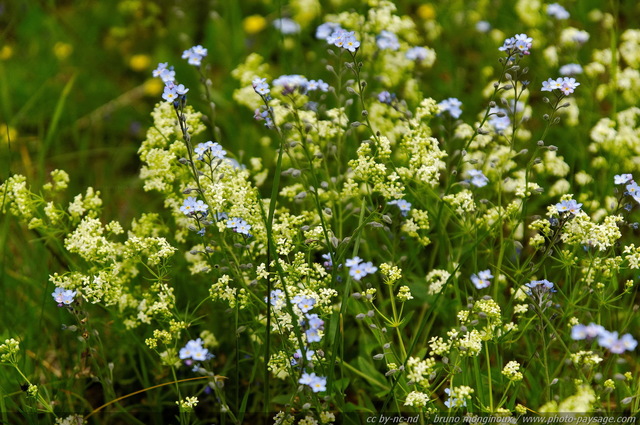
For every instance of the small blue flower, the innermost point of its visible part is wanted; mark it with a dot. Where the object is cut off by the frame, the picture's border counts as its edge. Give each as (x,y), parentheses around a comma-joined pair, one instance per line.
(325,30)
(386,97)
(482,279)
(63,296)
(387,40)
(478,179)
(568,206)
(286,26)
(194,55)
(622,178)
(452,106)
(403,205)
(194,350)
(417,53)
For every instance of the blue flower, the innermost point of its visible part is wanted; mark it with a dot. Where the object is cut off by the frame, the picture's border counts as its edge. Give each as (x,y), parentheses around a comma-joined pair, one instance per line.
(478,179)
(622,178)
(212,149)
(557,11)
(452,106)
(192,205)
(568,206)
(482,279)
(170,93)
(403,205)
(239,225)
(324,31)
(417,53)
(194,350)
(386,97)
(344,39)
(305,304)
(260,86)
(298,355)
(286,26)
(63,296)
(520,44)
(194,55)
(387,40)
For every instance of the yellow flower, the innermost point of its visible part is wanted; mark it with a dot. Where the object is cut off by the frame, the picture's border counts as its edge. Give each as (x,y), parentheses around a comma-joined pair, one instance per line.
(62,50)
(426,12)
(254,24)
(139,62)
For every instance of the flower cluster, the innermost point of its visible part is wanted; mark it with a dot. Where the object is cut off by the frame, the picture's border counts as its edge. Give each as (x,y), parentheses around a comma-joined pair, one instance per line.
(458,396)
(452,106)
(192,206)
(482,279)
(194,351)
(557,11)
(291,83)
(387,40)
(172,92)
(210,149)
(194,55)
(566,85)
(239,225)
(344,39)
(261,86)
(63,296)
(316,383)
(568,206)
(359,269)
(606,339)
(520,44)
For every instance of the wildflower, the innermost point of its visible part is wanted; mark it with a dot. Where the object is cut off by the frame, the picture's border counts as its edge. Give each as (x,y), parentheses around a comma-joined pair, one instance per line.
(481,280)
(483,26)
(543,284)
(317,383)
(328,263)
(520,44)
(314,321)
(566,85)
(313,85)
(357,272)
(170,93)
(591,331)
(291,83)
(344,39)
(298,355)
(551,84)
(403,205)
(213,149)
(262,114)
(452,401)
(181,89)
(452,106)
(617,345)
(353,262)
(417,53)
(512,371)
(286,26)
(164,72)
(194,350)
(191,206)
(557,11)
(305,304)
(63,297)
(568,206)
(239,226)
(386,97)
(622,178)
(324,31)
(569,84)
(633,189)
(260,86)
(571,69)
(194,55)
(275,296)
(387,40)
(478,179)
